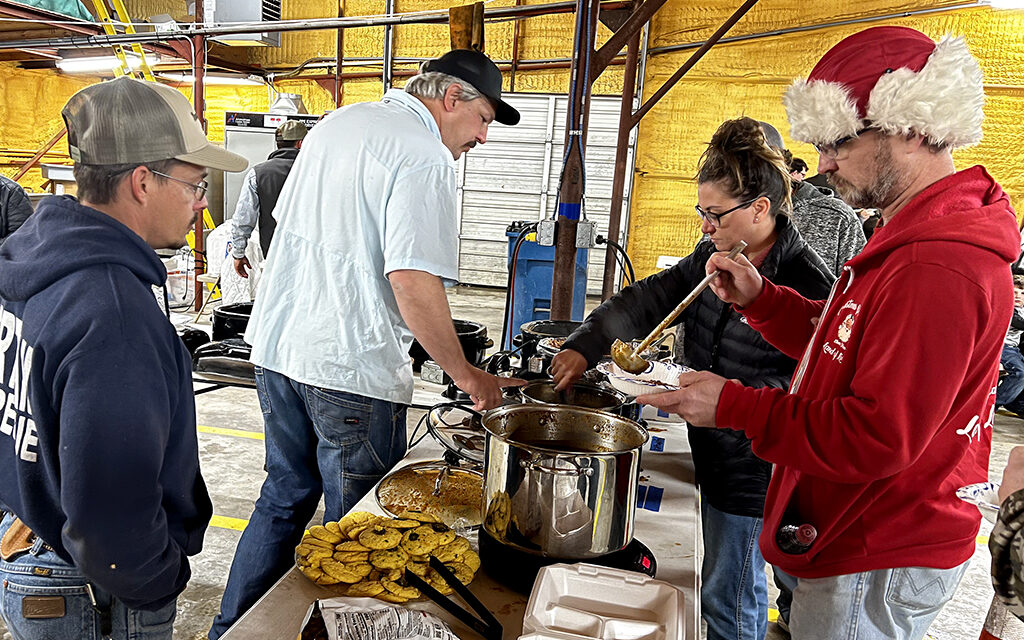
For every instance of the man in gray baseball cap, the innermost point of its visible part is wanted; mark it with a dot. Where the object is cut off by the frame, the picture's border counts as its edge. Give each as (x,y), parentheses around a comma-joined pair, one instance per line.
(258,196)
(101,497)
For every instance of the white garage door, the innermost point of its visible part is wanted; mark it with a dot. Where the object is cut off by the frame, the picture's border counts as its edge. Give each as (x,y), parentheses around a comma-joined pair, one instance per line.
(515,177)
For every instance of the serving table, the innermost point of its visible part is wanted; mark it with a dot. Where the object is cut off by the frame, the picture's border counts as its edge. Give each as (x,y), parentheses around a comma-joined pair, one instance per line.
(667,521)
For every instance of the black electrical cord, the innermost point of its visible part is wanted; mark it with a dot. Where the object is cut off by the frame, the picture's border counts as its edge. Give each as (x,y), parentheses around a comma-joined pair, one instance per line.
(625,263)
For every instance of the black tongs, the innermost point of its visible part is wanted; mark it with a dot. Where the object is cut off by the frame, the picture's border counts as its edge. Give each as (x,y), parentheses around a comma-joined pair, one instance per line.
(487,625)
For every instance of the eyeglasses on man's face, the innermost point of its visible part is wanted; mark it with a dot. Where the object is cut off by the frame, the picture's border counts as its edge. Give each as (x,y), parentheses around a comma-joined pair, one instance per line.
(830,151)
(199,190)
(716,218)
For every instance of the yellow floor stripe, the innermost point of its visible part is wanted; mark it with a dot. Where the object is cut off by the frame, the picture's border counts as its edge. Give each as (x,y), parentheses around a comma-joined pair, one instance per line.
(773,614)
(224,522)
(238,433)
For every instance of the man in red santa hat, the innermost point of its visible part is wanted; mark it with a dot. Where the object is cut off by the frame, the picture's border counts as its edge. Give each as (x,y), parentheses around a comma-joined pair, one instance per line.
(890,409)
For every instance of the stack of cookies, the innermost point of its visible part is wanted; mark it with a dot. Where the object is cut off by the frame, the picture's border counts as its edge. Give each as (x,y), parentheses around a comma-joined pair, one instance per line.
(369,554)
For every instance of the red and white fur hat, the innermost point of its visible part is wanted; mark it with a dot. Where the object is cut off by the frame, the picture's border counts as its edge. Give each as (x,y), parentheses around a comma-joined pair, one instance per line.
(895,79)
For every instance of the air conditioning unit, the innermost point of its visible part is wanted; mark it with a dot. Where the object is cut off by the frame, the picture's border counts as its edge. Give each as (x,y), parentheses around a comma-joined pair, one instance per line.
(225,12)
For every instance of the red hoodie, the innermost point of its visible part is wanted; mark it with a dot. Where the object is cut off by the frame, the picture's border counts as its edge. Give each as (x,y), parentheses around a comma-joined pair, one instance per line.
(891,408)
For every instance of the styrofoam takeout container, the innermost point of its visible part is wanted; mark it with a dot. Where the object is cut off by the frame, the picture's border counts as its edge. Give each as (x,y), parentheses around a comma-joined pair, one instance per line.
(585,601)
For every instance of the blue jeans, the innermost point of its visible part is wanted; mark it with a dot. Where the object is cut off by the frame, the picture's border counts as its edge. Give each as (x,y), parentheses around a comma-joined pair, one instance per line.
(734,589)
(886,604)
(1013,382)
(41,573)
(786,584)
(312,435)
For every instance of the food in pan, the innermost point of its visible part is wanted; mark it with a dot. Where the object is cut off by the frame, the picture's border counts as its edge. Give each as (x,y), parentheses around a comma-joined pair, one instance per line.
(366,555)
(414,492)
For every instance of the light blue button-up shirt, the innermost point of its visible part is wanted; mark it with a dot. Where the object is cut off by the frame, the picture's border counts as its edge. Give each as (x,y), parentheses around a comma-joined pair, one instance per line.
(372,192)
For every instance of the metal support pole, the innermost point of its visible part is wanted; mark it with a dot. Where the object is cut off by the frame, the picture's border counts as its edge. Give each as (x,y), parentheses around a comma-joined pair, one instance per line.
(621,150)
(389,45)
(515,54)
(570,195)
(340,56)
(199,104)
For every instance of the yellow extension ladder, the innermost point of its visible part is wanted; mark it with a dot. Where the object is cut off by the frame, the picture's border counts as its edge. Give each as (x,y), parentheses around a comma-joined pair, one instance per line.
(108,28)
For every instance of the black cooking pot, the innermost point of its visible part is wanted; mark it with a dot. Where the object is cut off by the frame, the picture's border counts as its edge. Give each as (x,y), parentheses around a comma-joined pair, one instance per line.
(472,336)
(230,320)
(534,332)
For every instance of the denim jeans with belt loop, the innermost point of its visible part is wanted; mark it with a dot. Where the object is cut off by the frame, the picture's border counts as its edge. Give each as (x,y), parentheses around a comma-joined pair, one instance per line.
(319,441)
(40,572)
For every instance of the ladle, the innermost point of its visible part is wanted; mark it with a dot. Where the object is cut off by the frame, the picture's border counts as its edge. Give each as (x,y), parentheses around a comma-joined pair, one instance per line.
(628,359)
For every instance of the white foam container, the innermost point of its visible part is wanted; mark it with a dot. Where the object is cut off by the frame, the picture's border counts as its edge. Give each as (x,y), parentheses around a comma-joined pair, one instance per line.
(585,601)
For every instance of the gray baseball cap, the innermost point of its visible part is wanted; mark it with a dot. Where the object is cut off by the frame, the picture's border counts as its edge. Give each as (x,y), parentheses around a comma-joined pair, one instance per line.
(124,121)
(291,130)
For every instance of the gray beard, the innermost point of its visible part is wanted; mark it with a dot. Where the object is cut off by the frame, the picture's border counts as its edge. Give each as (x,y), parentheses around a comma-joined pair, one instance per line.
(883,189)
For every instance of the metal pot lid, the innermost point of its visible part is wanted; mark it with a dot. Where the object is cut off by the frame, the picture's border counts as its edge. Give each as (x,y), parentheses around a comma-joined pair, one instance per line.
(457,428)
(451,494)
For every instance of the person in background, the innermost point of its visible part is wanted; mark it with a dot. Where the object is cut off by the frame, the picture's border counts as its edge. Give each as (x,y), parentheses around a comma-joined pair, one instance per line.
(743,189)
(258,197)
(1006,542)
(366,241)
(101,497)
(797,167)
(15,207)
(1012,384)
(820,180)
(891,408)
(827,223)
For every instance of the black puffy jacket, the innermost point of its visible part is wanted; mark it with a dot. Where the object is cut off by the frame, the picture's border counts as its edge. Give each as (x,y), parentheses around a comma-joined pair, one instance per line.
(732,479)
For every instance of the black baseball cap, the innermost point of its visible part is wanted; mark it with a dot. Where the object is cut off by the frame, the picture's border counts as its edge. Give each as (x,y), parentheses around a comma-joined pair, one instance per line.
(478,70)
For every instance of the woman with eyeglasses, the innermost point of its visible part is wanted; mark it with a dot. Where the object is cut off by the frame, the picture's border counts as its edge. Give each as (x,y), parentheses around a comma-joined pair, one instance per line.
(743,193)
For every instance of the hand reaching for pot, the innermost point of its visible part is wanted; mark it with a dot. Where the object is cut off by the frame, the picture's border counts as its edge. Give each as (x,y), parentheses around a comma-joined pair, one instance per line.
(567,367)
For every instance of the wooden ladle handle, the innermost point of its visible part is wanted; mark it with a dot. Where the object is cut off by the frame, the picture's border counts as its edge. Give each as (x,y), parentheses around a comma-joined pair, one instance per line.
(736,250)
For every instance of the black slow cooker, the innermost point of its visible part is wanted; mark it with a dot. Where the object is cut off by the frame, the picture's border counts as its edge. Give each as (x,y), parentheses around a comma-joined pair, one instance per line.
(472,336)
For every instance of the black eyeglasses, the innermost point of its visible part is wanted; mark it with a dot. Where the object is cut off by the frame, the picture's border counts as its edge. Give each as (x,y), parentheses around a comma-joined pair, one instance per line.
(830,151)
(198,189)
(716,218)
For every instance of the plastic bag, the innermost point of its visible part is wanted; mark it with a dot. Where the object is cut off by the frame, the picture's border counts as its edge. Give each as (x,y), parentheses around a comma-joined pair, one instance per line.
(370,619)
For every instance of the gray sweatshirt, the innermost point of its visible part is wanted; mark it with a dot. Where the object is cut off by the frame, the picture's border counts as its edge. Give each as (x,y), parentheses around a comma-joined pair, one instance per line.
(828,224)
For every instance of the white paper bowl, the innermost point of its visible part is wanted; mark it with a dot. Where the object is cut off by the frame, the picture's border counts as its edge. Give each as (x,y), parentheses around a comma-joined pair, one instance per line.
(984,495)
(662,376)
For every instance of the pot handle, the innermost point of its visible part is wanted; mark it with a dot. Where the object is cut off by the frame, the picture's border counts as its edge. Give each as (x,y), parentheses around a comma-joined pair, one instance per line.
(555,471)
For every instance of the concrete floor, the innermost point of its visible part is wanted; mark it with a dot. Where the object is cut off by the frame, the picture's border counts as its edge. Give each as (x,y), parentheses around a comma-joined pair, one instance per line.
(231,452)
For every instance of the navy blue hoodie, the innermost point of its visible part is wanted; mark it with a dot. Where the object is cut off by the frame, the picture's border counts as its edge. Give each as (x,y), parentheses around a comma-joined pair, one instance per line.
(98,451)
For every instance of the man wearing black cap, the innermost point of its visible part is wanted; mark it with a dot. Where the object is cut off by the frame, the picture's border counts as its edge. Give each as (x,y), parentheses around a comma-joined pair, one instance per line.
(98,453)
(366,240)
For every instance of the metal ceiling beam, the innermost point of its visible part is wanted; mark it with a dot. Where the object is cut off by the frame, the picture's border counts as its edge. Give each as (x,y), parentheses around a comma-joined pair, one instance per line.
(9,9)
(623,35)
(316,24)
(693,59)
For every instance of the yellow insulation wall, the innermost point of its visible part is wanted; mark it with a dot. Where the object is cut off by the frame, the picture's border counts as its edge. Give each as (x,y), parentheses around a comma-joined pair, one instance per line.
(746,78)
(749,78)
(30,104)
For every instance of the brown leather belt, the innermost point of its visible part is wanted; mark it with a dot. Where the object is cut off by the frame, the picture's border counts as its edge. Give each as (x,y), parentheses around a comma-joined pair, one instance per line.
(17,540)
